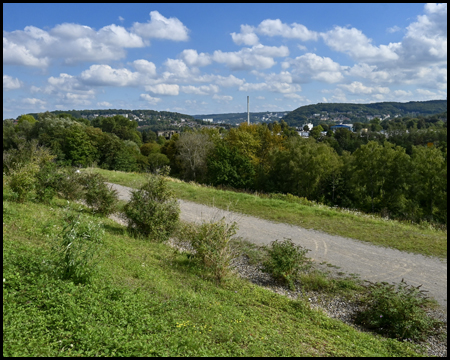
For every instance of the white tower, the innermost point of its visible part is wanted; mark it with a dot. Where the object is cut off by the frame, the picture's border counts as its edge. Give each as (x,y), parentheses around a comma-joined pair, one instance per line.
(248,113)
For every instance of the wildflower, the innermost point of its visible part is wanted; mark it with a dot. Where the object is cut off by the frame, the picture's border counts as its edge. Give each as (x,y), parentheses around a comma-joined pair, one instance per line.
(381,316)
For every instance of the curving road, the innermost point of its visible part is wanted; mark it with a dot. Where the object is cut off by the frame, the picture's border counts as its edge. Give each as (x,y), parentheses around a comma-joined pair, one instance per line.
(370,262)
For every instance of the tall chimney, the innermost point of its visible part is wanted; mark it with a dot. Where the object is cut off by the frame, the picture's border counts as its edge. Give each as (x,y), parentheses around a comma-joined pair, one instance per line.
(248,113)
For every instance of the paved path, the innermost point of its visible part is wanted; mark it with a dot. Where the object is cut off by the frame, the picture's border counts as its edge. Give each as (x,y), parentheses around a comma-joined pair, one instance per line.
(371,262)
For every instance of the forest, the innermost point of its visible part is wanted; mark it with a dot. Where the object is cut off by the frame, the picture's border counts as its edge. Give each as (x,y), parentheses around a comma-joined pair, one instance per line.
(400,174)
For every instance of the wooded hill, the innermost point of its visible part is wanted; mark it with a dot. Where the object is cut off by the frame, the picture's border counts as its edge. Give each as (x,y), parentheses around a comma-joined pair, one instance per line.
(359,112)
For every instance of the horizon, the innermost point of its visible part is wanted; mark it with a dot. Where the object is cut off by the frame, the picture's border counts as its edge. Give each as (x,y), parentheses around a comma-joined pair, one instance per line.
(240,112)
(207,58)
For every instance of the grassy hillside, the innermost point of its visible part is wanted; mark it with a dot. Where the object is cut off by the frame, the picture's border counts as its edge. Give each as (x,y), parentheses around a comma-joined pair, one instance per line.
(420,239)
(147,300)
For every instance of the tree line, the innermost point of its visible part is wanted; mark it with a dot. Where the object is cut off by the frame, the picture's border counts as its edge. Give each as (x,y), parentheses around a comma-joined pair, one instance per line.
(403,176)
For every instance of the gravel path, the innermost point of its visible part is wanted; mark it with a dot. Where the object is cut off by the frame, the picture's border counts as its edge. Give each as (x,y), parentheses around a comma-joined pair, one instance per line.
(351,256)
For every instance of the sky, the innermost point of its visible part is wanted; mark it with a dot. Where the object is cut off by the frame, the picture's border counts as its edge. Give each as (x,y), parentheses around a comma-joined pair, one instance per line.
(207,58)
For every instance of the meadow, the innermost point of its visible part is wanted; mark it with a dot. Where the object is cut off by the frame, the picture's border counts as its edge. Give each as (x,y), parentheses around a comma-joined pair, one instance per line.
(148,300)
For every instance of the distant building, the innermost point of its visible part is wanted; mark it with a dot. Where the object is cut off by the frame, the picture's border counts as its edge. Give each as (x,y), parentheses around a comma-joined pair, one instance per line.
(342,126)
(208,120)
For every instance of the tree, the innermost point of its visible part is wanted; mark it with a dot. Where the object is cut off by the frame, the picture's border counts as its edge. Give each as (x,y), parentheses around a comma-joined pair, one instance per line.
(226,166)
(315,132)
(429,181)
(193,150)
(150,148)
(78,147)
(28,118)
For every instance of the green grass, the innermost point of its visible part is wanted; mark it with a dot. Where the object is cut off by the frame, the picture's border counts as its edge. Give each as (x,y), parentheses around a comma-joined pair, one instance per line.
(403,236)
(148,300)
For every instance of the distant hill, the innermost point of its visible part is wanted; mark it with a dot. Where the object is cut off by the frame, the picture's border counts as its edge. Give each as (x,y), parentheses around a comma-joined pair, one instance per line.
(237,118)
(348,112)
(133,114)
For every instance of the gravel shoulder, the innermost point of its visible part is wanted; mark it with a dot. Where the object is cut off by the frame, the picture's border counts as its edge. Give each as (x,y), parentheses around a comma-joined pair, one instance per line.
(369,262)
(346,255)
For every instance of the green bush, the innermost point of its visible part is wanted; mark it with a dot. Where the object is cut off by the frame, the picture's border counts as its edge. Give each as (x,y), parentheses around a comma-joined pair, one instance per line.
(70,185)
(397,311)
(22,181)
(153,211)
(211,241)
(285,259)
(47,181)
(76,250)
(98,195)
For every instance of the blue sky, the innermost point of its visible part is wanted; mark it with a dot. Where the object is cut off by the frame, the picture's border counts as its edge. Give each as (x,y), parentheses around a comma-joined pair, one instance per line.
(207,58)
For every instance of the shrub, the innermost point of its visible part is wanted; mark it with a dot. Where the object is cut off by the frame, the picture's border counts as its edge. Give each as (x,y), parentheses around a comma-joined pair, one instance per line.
(211,241)
(98,195)
(22,181)
(285,259)
(70,185)
(76,250)
(397,311)
(47,182)
(153,211)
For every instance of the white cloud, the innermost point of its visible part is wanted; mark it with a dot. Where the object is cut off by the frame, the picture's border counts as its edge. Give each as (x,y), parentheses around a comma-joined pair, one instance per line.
(150,99)
(257,57)
(294,96)
(163,89)
(16,54)
(105,75)
(260,98)
(71,42)
(33,101)
(279,87)
(104,104)
(10,83)
(222,97)
(200,90)
(357,87)
(192,58)
(311,66)
(228,81)
(160,27)
(246,36)
(393,29)
(402,93)
(145,67)
(358,46)
(121,18)
(270,27)
(302,47)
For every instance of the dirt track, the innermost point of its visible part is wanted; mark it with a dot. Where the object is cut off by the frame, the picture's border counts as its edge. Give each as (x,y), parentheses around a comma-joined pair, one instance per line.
(371,262)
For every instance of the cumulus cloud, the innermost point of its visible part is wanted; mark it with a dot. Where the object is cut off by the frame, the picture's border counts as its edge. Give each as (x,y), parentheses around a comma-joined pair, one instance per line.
(270,27)
(357,87)
(163,89)
(10,83)
(228,81)
(256,57)
(192,58)
(33,101)
(393,29)
(225,98)
(279,87)
(246,36)
(160,27)
(150,99)
(200,90)
(311,66)
(71,42)
(105,75)
(145,67)
(358,46)
(104,104)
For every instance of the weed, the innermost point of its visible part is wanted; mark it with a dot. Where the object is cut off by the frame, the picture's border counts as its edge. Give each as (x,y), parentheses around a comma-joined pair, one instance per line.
(285,260)
(70,186)
(153,211)
(75,251)
(47,182)
(211,242)
(397,311)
